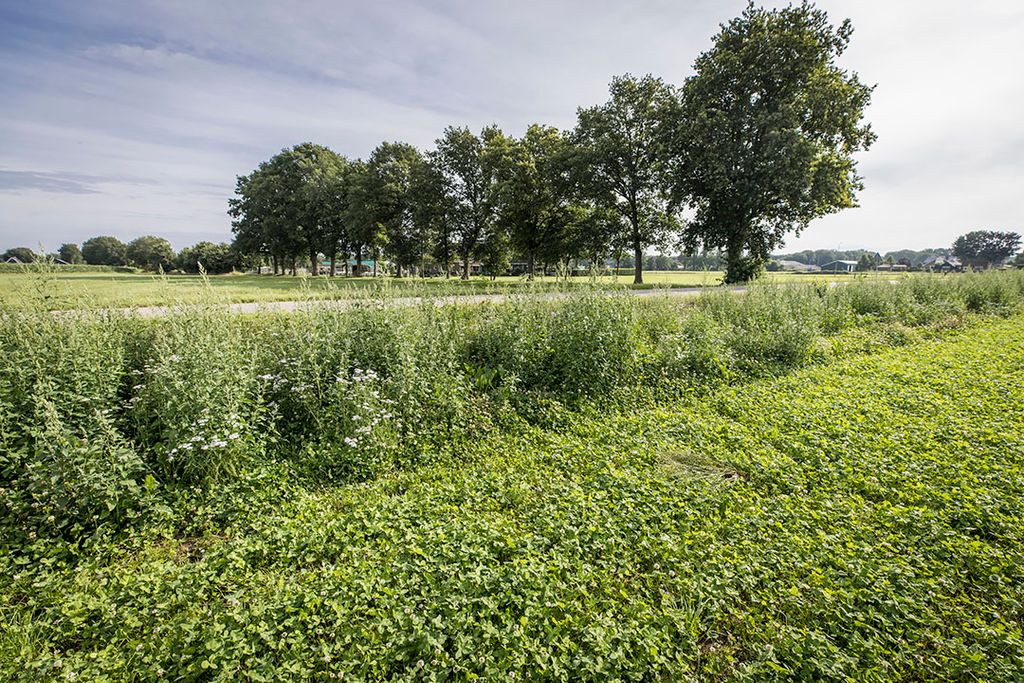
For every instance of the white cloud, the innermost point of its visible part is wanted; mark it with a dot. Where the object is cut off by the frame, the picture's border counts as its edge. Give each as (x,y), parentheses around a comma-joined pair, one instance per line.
(182,97)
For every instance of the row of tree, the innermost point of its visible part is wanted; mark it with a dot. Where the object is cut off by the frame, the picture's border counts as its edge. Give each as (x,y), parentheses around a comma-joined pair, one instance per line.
(977,249)
(756,144)
(147,252)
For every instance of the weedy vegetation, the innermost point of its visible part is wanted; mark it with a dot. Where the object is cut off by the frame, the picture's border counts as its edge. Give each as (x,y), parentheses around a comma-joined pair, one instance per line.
(810,482)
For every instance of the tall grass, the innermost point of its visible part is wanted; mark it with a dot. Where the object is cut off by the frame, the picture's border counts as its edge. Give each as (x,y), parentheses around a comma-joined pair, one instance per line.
(99,411)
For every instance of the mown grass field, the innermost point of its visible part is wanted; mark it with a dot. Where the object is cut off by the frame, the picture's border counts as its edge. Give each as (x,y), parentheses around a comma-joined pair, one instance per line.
(806,483)
(65,290)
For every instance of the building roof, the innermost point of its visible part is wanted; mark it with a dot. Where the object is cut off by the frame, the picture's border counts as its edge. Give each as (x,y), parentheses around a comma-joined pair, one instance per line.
(942,261)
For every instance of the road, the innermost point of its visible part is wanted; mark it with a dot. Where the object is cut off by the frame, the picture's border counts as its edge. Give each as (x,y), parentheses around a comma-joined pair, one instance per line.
(320,304)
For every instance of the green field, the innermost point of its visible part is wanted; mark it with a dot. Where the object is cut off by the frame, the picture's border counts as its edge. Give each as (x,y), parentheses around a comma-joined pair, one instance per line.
(800,483)
(110,289)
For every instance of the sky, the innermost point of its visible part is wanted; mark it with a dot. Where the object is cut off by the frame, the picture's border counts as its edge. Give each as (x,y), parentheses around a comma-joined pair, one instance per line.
(132,117)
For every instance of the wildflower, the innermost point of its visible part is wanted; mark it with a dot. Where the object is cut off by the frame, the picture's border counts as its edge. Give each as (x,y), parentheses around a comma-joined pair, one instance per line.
(350,442)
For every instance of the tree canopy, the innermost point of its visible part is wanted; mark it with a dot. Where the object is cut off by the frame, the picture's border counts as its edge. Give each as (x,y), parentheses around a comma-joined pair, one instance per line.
(150,252)
(765,134)
(756,144)
(70,253)
(986,248)
(104,250)
(620,155)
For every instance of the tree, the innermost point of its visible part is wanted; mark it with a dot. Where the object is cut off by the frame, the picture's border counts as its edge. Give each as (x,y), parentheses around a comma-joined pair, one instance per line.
(986,248)
(430,214)
(104,251)
(290,205)
(312,172)
(150,252)
(468,180)
(495,252)
(213,258)
(364,230)
(392,168)
(619,159)
(533,192)
(18,254)
(258,221)
(70,253)
(764,136)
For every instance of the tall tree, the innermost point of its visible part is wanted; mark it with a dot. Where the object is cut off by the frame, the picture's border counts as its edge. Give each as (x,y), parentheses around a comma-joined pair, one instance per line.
(392,168)
(764,137)
(533,192)
(469,182)
(364,230)
(284,207)
(619,159)
(104,251)
(260,219)
(986,248)
(310,173)
(430,210)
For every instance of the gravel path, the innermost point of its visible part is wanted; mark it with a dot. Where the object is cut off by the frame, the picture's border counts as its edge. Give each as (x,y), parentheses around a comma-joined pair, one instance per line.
(318,304)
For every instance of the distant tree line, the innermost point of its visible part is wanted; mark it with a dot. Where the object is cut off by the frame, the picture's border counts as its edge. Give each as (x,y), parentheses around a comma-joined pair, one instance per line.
(752,147)
(147,252)
(978,249)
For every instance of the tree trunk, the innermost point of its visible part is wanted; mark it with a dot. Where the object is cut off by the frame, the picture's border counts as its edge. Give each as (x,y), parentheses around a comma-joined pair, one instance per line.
(334,258)
(398,269)
(376,257)
(638,263)
(359,260)
(465,267)
(529,267)
(314,263)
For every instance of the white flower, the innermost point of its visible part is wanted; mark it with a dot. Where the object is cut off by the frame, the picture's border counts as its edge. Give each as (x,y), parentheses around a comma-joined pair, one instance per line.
(350,442)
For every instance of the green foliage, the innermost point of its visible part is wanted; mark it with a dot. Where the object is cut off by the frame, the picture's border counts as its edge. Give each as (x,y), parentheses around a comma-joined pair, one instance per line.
(104,251)
(208,257)
(619,159)
(150,253)
(594,487)
(70,254)
(985,248)
(764,137)
(18,255)
(469,178)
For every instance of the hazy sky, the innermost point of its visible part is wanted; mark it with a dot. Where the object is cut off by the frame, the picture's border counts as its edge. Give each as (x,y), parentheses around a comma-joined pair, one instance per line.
(129,117)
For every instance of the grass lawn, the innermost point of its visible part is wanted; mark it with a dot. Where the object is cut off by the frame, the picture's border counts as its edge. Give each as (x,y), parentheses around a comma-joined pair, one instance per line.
(108,289)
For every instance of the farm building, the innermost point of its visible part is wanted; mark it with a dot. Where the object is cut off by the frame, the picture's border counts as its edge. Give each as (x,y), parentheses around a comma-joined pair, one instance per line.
(797,266)
(839,267)
(943,264)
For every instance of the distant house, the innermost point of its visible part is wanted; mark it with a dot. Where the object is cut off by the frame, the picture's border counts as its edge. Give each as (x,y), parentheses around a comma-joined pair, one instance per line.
(796,266)
(892,267)
(943,264)
(839,267)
